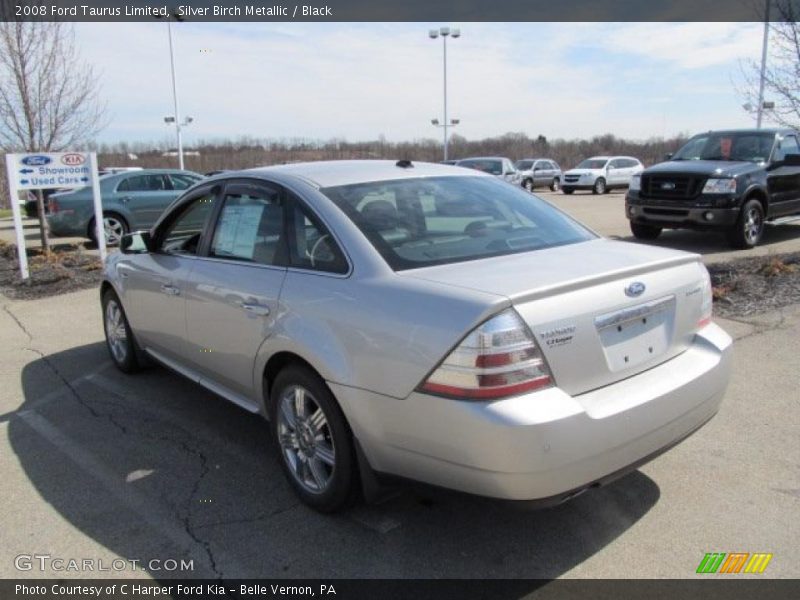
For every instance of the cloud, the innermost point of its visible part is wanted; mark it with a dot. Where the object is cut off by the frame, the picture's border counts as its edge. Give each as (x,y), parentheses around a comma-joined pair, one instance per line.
(361,80)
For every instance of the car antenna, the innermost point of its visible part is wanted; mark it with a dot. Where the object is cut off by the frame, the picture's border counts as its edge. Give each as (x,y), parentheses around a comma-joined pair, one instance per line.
(404,164)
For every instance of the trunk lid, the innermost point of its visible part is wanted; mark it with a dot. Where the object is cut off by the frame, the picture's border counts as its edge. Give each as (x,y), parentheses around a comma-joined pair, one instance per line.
(574,300)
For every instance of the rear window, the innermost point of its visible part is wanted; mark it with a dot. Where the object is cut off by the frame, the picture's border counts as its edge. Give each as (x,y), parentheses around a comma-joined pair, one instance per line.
(439,220)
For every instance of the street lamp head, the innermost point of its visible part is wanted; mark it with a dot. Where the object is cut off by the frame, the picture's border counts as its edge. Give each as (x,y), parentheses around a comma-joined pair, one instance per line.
(169,119)
(434,121)
(189,120)
(445,31)
(433,34)
(455,121)
(454,33)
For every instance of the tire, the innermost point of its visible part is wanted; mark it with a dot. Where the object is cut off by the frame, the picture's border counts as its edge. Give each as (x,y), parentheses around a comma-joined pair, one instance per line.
(567,190)
(528,185)
(555,185)
(599,186)
(118,224)
(122,347)
(313,441)
(749,227)
(645,232)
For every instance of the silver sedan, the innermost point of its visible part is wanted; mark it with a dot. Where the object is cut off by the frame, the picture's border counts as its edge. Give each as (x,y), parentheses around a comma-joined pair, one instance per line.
(421,321)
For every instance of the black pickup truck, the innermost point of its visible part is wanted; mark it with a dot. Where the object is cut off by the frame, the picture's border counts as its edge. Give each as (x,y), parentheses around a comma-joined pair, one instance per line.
(732,181)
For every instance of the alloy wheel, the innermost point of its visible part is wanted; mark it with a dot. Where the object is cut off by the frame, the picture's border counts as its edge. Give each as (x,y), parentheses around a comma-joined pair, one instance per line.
(752,225)
(305,439)
(116,333)
(114,229)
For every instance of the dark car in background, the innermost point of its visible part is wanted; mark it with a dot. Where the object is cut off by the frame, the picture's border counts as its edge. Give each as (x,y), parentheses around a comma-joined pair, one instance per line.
(131,200)
(539,172)
(499,166)
(730,181)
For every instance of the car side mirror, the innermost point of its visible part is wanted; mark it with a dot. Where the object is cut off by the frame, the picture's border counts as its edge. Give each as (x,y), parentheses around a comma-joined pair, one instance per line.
(668,156)
(138,242)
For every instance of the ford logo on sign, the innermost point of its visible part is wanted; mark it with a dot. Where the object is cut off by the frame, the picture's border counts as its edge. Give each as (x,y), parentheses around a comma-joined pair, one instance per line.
(635,289)
(36,160)
(667,185)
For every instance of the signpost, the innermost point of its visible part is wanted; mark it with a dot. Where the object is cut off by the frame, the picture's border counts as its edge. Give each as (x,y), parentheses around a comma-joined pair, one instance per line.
(46,170)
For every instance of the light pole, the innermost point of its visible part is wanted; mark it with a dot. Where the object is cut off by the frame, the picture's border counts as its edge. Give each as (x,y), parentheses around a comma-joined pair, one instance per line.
(763,67)
(177,118)
(445,125)
(445,32)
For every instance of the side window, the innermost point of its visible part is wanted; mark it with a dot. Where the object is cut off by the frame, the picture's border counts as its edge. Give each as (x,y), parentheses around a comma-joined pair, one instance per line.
(554,166)
(787,146)
(311,246)
(182,182)
(182,235)
(508,167)
(614,164)
(250,227)
(144,183)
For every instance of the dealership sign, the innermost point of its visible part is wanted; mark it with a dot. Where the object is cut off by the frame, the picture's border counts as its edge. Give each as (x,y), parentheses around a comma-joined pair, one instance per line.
(52,170)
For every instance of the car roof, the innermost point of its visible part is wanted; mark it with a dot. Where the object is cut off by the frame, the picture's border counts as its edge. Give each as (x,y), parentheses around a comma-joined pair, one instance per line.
(331,173)
(483,158)
(771,130)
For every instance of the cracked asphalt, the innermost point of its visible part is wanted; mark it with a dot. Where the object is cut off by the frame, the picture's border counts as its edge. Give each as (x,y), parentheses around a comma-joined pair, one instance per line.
(99,465)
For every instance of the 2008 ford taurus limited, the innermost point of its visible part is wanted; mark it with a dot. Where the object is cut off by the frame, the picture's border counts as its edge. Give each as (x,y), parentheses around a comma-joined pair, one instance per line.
(421,321)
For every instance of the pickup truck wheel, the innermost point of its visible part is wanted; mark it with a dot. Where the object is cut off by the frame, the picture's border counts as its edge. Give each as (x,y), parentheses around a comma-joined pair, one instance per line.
(749,227)
(645,232)
(599,186)
(528,184)
(555,185)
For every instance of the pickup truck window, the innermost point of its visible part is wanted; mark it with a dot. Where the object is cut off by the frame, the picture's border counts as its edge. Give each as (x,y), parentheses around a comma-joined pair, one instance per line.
(787,146)
(733,146)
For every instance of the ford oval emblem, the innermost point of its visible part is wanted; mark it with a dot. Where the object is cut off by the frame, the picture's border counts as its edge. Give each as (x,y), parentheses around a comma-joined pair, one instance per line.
(635,289)
(667,185)
(36,160)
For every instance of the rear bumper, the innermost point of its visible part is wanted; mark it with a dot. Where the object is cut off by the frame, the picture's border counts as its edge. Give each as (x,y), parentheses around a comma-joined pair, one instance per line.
(547,444)
(68,224)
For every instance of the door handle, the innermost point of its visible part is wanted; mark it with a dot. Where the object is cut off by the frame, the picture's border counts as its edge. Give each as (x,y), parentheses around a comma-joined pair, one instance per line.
(256,309)
(125,199)
(170,289)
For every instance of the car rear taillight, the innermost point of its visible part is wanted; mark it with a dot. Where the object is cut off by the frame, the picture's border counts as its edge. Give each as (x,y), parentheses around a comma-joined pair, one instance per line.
(707,304)
(498,359)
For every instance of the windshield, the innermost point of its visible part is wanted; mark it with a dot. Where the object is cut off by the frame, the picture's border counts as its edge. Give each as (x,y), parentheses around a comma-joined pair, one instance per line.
(593,163)
(523,165)
(495,167)
(745,146)
(431,221)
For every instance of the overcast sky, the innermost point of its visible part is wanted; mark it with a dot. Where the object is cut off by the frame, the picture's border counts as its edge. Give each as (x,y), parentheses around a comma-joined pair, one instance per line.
(358,81)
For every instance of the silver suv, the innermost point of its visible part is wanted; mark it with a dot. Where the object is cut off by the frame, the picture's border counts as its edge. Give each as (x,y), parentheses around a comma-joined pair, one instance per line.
(539,172)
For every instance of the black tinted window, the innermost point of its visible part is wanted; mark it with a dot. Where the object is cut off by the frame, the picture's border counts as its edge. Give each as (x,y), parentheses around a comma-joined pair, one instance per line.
(735,146)
(182,235)
(144,183)
(311,246)
(421,222)
(495,167)
(182,182)
(788,145)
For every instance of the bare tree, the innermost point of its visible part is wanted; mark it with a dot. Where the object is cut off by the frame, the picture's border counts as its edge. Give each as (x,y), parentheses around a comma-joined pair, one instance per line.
(48,95)
(782,75)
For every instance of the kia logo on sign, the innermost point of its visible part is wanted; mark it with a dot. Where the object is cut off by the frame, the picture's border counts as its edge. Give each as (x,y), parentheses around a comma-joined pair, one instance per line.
(73,160)
(36,160)
(635,289)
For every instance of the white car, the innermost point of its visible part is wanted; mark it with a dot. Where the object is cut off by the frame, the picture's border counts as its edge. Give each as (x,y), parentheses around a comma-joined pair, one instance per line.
(601,174)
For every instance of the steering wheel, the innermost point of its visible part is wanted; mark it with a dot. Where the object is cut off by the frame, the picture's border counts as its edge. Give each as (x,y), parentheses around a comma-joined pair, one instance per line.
(313,253)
